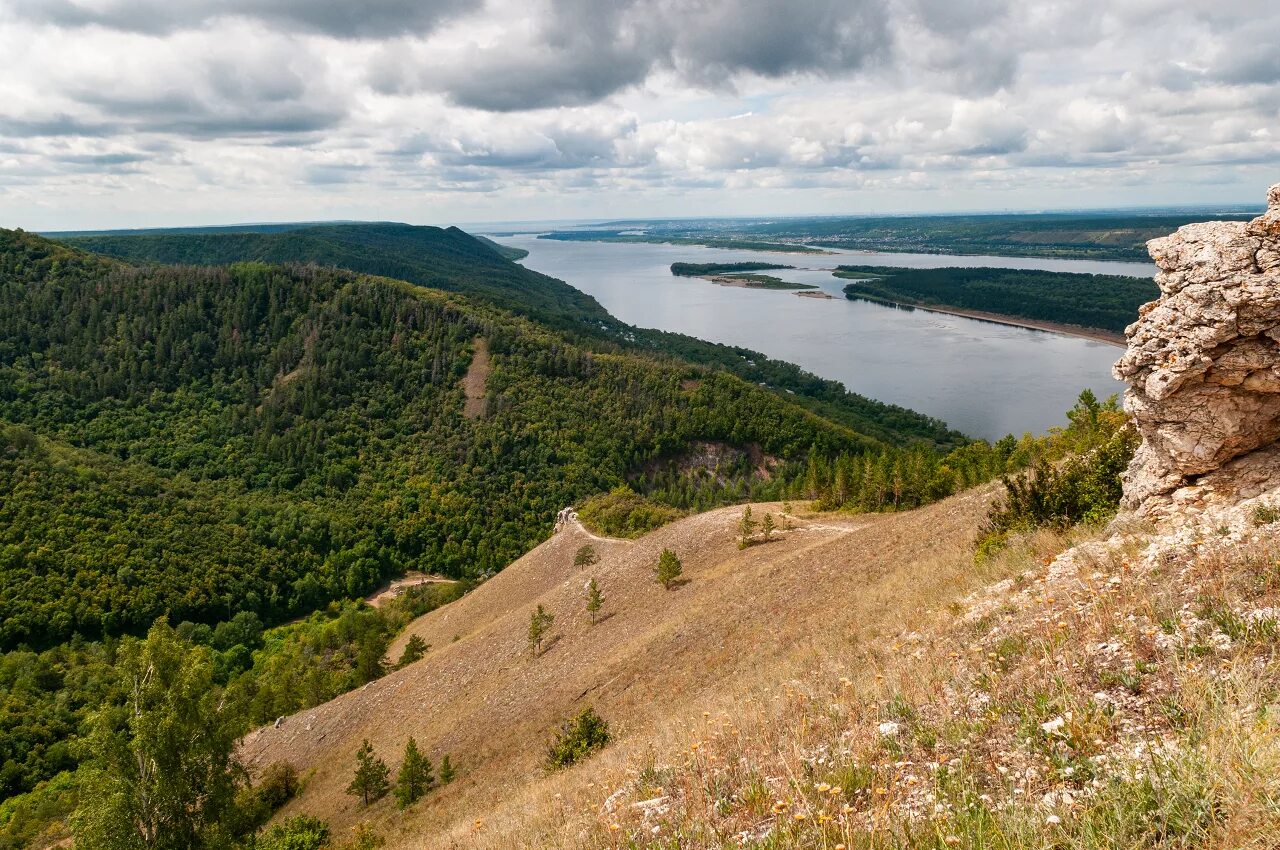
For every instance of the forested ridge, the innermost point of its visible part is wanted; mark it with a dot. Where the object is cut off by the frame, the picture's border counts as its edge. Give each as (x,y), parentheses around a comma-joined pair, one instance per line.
(232,447)
(1106,302)
(454,261)
(308,420)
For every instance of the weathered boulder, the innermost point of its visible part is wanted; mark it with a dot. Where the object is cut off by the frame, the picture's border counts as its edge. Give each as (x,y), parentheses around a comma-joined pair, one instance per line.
(1203,361)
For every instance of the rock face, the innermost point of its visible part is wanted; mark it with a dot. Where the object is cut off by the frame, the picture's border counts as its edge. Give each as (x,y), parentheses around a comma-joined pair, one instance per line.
(1203,361)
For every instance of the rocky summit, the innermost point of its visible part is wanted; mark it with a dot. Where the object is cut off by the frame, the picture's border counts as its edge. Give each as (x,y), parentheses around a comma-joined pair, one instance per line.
(1203,367)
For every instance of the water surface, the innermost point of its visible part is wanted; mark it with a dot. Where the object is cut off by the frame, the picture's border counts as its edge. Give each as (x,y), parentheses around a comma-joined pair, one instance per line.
(982,378)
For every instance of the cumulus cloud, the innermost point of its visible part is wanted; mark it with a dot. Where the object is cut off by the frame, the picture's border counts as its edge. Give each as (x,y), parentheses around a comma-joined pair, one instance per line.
(447,108)
(350,19)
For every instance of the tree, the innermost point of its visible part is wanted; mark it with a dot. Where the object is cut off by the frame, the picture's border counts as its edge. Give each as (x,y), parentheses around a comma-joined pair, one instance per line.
(414,778)
(746,528)
(446,770)
(768,527)
(578,738)
(595,599)
(669,569)
(369,664)
(539,623)
(370,782)
(413,650)
(586,556)
(162,774)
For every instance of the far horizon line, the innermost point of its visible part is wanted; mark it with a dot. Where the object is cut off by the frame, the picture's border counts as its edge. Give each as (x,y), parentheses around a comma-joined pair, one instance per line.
(1220,208)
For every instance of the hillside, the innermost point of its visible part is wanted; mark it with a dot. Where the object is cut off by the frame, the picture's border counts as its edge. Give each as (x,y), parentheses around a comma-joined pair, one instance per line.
(454,261)
(869,681)
(320,414)
(657,659)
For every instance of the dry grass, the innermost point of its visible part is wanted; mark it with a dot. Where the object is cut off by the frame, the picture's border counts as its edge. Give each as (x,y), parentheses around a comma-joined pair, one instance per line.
(860,683)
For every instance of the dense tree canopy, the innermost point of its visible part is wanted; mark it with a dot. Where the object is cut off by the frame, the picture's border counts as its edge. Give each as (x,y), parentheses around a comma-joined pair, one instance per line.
(1107,302)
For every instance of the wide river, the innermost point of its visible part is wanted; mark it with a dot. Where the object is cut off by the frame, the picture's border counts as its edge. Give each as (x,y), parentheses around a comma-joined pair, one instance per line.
(982,378)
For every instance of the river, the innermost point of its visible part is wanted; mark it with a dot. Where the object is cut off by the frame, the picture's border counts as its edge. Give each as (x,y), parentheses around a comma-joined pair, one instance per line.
(983,378)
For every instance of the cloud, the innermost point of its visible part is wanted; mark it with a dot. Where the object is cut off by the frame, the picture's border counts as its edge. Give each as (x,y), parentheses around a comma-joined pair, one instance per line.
(577,52)
(560,107)
(348,19)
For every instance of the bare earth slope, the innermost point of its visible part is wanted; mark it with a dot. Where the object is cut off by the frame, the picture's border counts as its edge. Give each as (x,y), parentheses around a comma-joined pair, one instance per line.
(825,584)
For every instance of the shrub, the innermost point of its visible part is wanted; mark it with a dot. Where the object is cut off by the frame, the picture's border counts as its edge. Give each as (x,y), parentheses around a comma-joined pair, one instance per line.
(622,512)
(1085,488)
(297,833)
(668,569)
(578,738)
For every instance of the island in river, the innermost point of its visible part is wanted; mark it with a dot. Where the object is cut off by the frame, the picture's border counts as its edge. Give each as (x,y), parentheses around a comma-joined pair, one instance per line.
(1092,305)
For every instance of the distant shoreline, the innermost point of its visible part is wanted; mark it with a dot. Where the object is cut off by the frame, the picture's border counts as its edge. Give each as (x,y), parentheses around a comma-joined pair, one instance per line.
(1093,334)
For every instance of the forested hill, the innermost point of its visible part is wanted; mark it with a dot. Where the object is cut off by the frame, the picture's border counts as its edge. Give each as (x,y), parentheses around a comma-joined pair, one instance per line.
(445,259)
(198,440)
(454,261)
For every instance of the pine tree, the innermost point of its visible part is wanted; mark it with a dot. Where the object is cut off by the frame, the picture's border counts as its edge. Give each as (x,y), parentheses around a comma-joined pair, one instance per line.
(668,569)
(413,650)
(539,622)
(595,599)
(585,556)
(746,528)
(446,770)
(414,778)
(768,526)
(370,781)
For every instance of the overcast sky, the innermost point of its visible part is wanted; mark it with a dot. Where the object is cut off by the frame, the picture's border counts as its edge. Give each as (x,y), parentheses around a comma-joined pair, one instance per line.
(121,113)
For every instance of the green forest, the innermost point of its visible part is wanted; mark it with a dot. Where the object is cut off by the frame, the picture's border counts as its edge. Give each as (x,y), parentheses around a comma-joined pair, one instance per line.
(451,260)
(1070,235)
(1104,302)
(700,269)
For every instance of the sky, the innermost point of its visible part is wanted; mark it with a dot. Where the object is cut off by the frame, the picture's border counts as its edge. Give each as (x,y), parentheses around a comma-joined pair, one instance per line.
(139,113)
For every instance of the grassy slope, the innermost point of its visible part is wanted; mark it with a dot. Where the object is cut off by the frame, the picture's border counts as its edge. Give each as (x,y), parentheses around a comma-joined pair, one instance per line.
(452,260)
(853,684)
(657,658)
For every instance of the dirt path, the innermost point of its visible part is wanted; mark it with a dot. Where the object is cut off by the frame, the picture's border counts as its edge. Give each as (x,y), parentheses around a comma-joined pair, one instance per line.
(473,383)
(577,526)
(414,579)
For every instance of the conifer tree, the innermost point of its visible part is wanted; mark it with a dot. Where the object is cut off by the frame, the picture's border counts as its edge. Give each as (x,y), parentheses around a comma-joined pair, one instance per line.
(585,556)
(595,600)
(413,650)
(668,569)
(539,622)
(370,781)
(768,527)
(446,770)
(746,528)
(414,778)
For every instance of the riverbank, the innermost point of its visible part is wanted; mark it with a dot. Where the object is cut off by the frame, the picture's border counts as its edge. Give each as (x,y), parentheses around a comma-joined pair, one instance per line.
(1092,334)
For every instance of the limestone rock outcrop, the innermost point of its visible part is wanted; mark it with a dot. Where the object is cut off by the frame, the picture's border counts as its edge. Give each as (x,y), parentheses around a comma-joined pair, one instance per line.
(1203,361)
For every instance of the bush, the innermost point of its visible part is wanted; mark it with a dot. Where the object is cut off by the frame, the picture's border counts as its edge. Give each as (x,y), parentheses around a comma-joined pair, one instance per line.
(297,833)
(622,512)
(1085,488)
(578,738)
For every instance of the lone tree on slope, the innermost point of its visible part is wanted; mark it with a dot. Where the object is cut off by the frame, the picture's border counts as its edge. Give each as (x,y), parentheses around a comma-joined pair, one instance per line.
(746,528)
(370,782)
(539,623)
(668,569)
(595,599)
(414,778)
